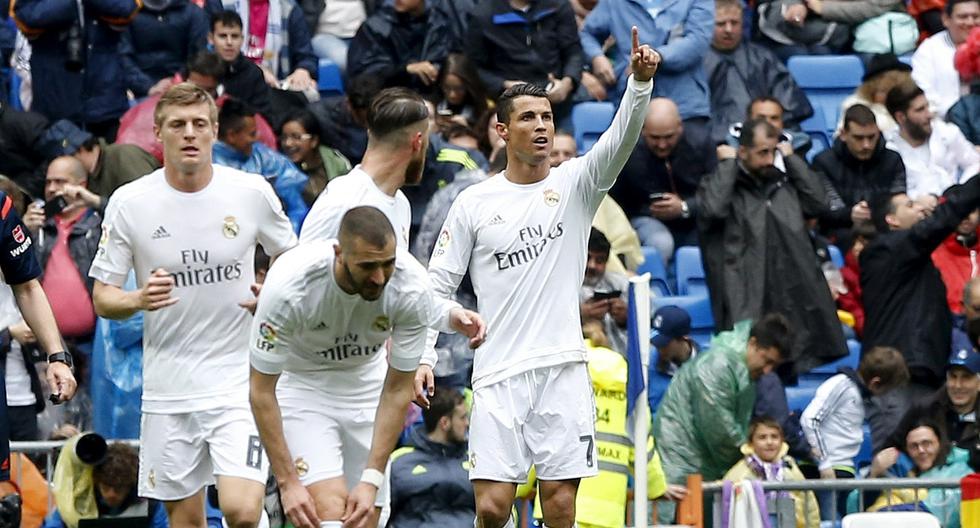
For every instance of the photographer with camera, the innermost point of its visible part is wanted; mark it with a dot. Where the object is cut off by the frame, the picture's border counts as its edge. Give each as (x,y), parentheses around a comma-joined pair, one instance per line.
(66,228)
(77,72)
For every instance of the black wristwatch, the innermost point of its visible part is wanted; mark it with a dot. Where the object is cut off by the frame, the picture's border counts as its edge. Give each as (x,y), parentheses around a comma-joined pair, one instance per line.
(62,357)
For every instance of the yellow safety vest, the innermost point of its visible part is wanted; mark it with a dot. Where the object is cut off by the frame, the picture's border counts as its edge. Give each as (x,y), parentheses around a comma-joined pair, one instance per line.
(601,500)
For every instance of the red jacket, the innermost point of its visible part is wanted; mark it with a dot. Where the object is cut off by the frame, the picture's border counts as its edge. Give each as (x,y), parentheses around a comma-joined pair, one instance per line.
(957,264)
(851,301)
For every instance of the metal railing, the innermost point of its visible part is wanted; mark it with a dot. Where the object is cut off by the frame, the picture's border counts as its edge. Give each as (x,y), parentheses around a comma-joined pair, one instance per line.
(713,490)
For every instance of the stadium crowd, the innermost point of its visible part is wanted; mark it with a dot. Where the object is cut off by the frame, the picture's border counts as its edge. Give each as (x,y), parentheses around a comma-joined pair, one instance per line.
(725,163)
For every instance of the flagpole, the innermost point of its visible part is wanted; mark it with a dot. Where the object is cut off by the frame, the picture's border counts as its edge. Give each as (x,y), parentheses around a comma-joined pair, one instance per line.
(640,304)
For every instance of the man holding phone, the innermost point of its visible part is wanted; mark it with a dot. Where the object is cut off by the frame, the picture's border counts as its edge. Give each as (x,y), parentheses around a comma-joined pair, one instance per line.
(67,227)
(603,293)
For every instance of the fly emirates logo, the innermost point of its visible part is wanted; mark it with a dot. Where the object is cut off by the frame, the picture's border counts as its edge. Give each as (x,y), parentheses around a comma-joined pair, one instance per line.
(348,346)
(198,270)
(535,239)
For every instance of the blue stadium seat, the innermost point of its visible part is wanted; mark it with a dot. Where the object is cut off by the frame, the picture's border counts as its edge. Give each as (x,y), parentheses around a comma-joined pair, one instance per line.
(815,127)
(907,58)
(653,264)
(851,360)
(864,456)
(827,80)
(589,121)
(799,397)
(699,308)
(836,256)
(329,80)
(690,272)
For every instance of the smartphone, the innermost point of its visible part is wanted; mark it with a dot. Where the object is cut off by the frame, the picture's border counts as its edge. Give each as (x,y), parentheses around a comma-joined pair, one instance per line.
(55,206)
(606,295)
(656,197)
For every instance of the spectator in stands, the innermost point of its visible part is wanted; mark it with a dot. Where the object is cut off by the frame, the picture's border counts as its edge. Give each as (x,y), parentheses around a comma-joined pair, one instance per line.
(67,239)
(971,312)
(923,440)
(520,41)
(704,416)
(766,458)
(862,233)
(770,110)
(609,218)
(456,13)
(958,261)
(673,347)
(854,170)
(440,493)
(935,153)
(932,62)
(76,69)
(300,141)
(282,48)
(965,113)
(903,292)
(109,166)
(491,146)
(929,15)
(683,30)
(834,419)
(657,186)
(237,148)
(752,230)
(603,294)
(883,73)
(404,43)
(333,24)
(98,484)
(463,98)
(21,153)
(159,41)
(343,119)
(738,72)
(796,27)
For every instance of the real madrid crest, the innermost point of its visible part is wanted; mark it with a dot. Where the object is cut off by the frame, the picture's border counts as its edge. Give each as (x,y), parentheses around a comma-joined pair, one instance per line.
(230,228)
(551,198)
(382,323)
(302,468)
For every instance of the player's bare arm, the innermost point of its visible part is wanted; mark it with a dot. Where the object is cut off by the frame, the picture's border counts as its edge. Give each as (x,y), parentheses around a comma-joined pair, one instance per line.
(112,302)
(297,502)
(37,314)
(399,389)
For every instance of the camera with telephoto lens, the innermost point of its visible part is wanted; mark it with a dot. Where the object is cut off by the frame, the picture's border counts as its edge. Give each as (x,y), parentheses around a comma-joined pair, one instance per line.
(75,48)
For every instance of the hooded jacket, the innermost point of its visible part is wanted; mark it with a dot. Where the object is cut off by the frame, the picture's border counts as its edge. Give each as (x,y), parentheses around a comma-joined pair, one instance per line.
(430,484)
(958,261)
(159,41)
(903,292)
(758,257)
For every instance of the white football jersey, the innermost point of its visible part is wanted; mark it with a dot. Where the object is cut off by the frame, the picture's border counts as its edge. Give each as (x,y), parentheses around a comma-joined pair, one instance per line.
(325,339)
(525,247)
(195,351)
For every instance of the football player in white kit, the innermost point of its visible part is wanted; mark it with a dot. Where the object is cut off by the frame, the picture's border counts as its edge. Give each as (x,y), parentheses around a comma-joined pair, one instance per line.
(326,310)
(522,235)
(189,231)
(398,138)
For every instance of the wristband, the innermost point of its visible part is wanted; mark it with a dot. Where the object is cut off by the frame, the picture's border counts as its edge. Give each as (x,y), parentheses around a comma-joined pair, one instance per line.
(373,477)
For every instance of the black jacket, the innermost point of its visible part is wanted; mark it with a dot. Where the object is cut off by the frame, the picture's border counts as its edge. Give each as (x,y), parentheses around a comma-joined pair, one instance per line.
(507,44)
(644,173)
(158,43)
(850,180)
(904,295)
(438,494)
(758,257)
(244,80)
(338,129)
(747,72)
(388,41)
(83,243)
(21,156)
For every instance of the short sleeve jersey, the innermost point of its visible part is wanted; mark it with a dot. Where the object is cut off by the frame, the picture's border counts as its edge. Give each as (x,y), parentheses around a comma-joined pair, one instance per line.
(195,351)
(325,339)
(18,262)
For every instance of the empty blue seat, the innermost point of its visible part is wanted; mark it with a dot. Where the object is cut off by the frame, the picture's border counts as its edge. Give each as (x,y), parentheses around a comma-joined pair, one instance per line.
(827,80)
(698,307)
(653,264)
(852,359)
(836,256)
(864,455)
(589,121)
(815,127)
(690,272)
(800,396)
(329,81)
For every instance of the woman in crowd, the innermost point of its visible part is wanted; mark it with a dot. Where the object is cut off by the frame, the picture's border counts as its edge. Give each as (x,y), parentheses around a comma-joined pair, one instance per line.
(883,73)
(463,98)
(300,140)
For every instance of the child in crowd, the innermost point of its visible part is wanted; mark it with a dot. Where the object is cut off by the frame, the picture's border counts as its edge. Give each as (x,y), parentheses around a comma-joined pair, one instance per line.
(766,458)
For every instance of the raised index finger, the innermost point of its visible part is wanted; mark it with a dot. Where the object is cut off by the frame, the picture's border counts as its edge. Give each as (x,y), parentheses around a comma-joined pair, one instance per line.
(636,39)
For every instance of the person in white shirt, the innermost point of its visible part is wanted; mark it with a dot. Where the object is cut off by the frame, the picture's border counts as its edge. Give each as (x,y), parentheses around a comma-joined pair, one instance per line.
(398,138)
(522,235)
(189,232)
(326,310)
(932,62)
(936,154)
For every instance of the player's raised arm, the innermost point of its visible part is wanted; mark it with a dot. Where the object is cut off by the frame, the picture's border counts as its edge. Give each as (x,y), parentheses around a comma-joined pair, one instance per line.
(606,159)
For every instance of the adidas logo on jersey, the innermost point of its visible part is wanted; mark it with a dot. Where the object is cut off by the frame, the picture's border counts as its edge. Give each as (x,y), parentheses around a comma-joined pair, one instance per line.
(159,233)
(497,220)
